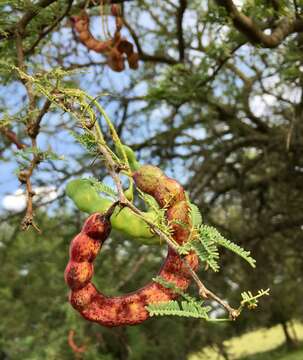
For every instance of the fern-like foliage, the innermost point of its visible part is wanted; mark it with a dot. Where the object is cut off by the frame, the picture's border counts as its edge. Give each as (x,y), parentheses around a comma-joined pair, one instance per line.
(87,141)
(174,288)
(209,232)
(208,252)
(159,218)
(184,308)
(196,216)
(250,300)
(189,307)
(206,247)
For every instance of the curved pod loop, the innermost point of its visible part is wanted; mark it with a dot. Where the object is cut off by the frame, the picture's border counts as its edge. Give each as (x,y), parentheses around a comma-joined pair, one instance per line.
(113,48)
(130,309)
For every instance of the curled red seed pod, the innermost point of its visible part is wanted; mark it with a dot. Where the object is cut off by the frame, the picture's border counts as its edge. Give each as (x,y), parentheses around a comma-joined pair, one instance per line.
(97,227)
(130,309)
(81,26)
(81,298)
(169,192)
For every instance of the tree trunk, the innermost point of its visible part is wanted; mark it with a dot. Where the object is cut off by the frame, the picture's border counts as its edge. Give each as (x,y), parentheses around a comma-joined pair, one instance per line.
(294,332)
(290,343)
(222,351)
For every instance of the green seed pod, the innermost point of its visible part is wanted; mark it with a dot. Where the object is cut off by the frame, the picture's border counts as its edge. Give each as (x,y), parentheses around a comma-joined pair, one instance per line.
(87,199)
(85,196)
(131,157)
(129,194)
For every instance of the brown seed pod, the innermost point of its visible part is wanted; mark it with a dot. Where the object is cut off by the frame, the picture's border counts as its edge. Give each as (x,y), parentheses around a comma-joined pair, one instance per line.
(81,25)
(115,60)
(130,309)
(113,48)
(125,46)
(133,61)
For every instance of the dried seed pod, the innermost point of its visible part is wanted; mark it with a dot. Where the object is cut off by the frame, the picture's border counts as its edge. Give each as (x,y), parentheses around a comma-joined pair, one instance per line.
(133,60)
(81,25)
(130,309)
(115,60)
(124,46)
(113,48)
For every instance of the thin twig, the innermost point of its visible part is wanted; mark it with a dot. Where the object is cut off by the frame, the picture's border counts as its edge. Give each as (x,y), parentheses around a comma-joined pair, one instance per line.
(12,137)
(71,342)
(32,129)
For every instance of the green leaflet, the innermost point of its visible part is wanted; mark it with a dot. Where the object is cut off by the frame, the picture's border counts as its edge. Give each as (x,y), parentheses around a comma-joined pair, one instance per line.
(189,307)
(209,232)
(207,252)
(102,188)
(206,247)
(172,286)
(250,300)
(184,308)
(196,216)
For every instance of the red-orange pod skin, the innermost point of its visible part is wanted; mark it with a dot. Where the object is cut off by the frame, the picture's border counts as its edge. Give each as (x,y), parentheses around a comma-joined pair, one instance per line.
(78,274)
(130,309)
(81,25)
(84,248)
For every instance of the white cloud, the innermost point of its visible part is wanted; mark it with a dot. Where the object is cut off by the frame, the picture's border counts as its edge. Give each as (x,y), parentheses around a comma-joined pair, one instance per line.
(17,201)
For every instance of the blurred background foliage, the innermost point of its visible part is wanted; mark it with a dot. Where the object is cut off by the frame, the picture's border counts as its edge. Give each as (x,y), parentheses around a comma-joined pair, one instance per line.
(218,113)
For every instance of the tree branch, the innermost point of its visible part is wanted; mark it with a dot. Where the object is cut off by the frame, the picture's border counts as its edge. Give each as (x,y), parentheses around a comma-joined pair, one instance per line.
(30,15)
(180,14)
(50,28)
(147,57)
(12,137)
(253,32)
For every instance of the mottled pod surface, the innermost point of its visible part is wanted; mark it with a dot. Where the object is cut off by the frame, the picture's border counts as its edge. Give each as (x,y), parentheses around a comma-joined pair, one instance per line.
(129,309)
